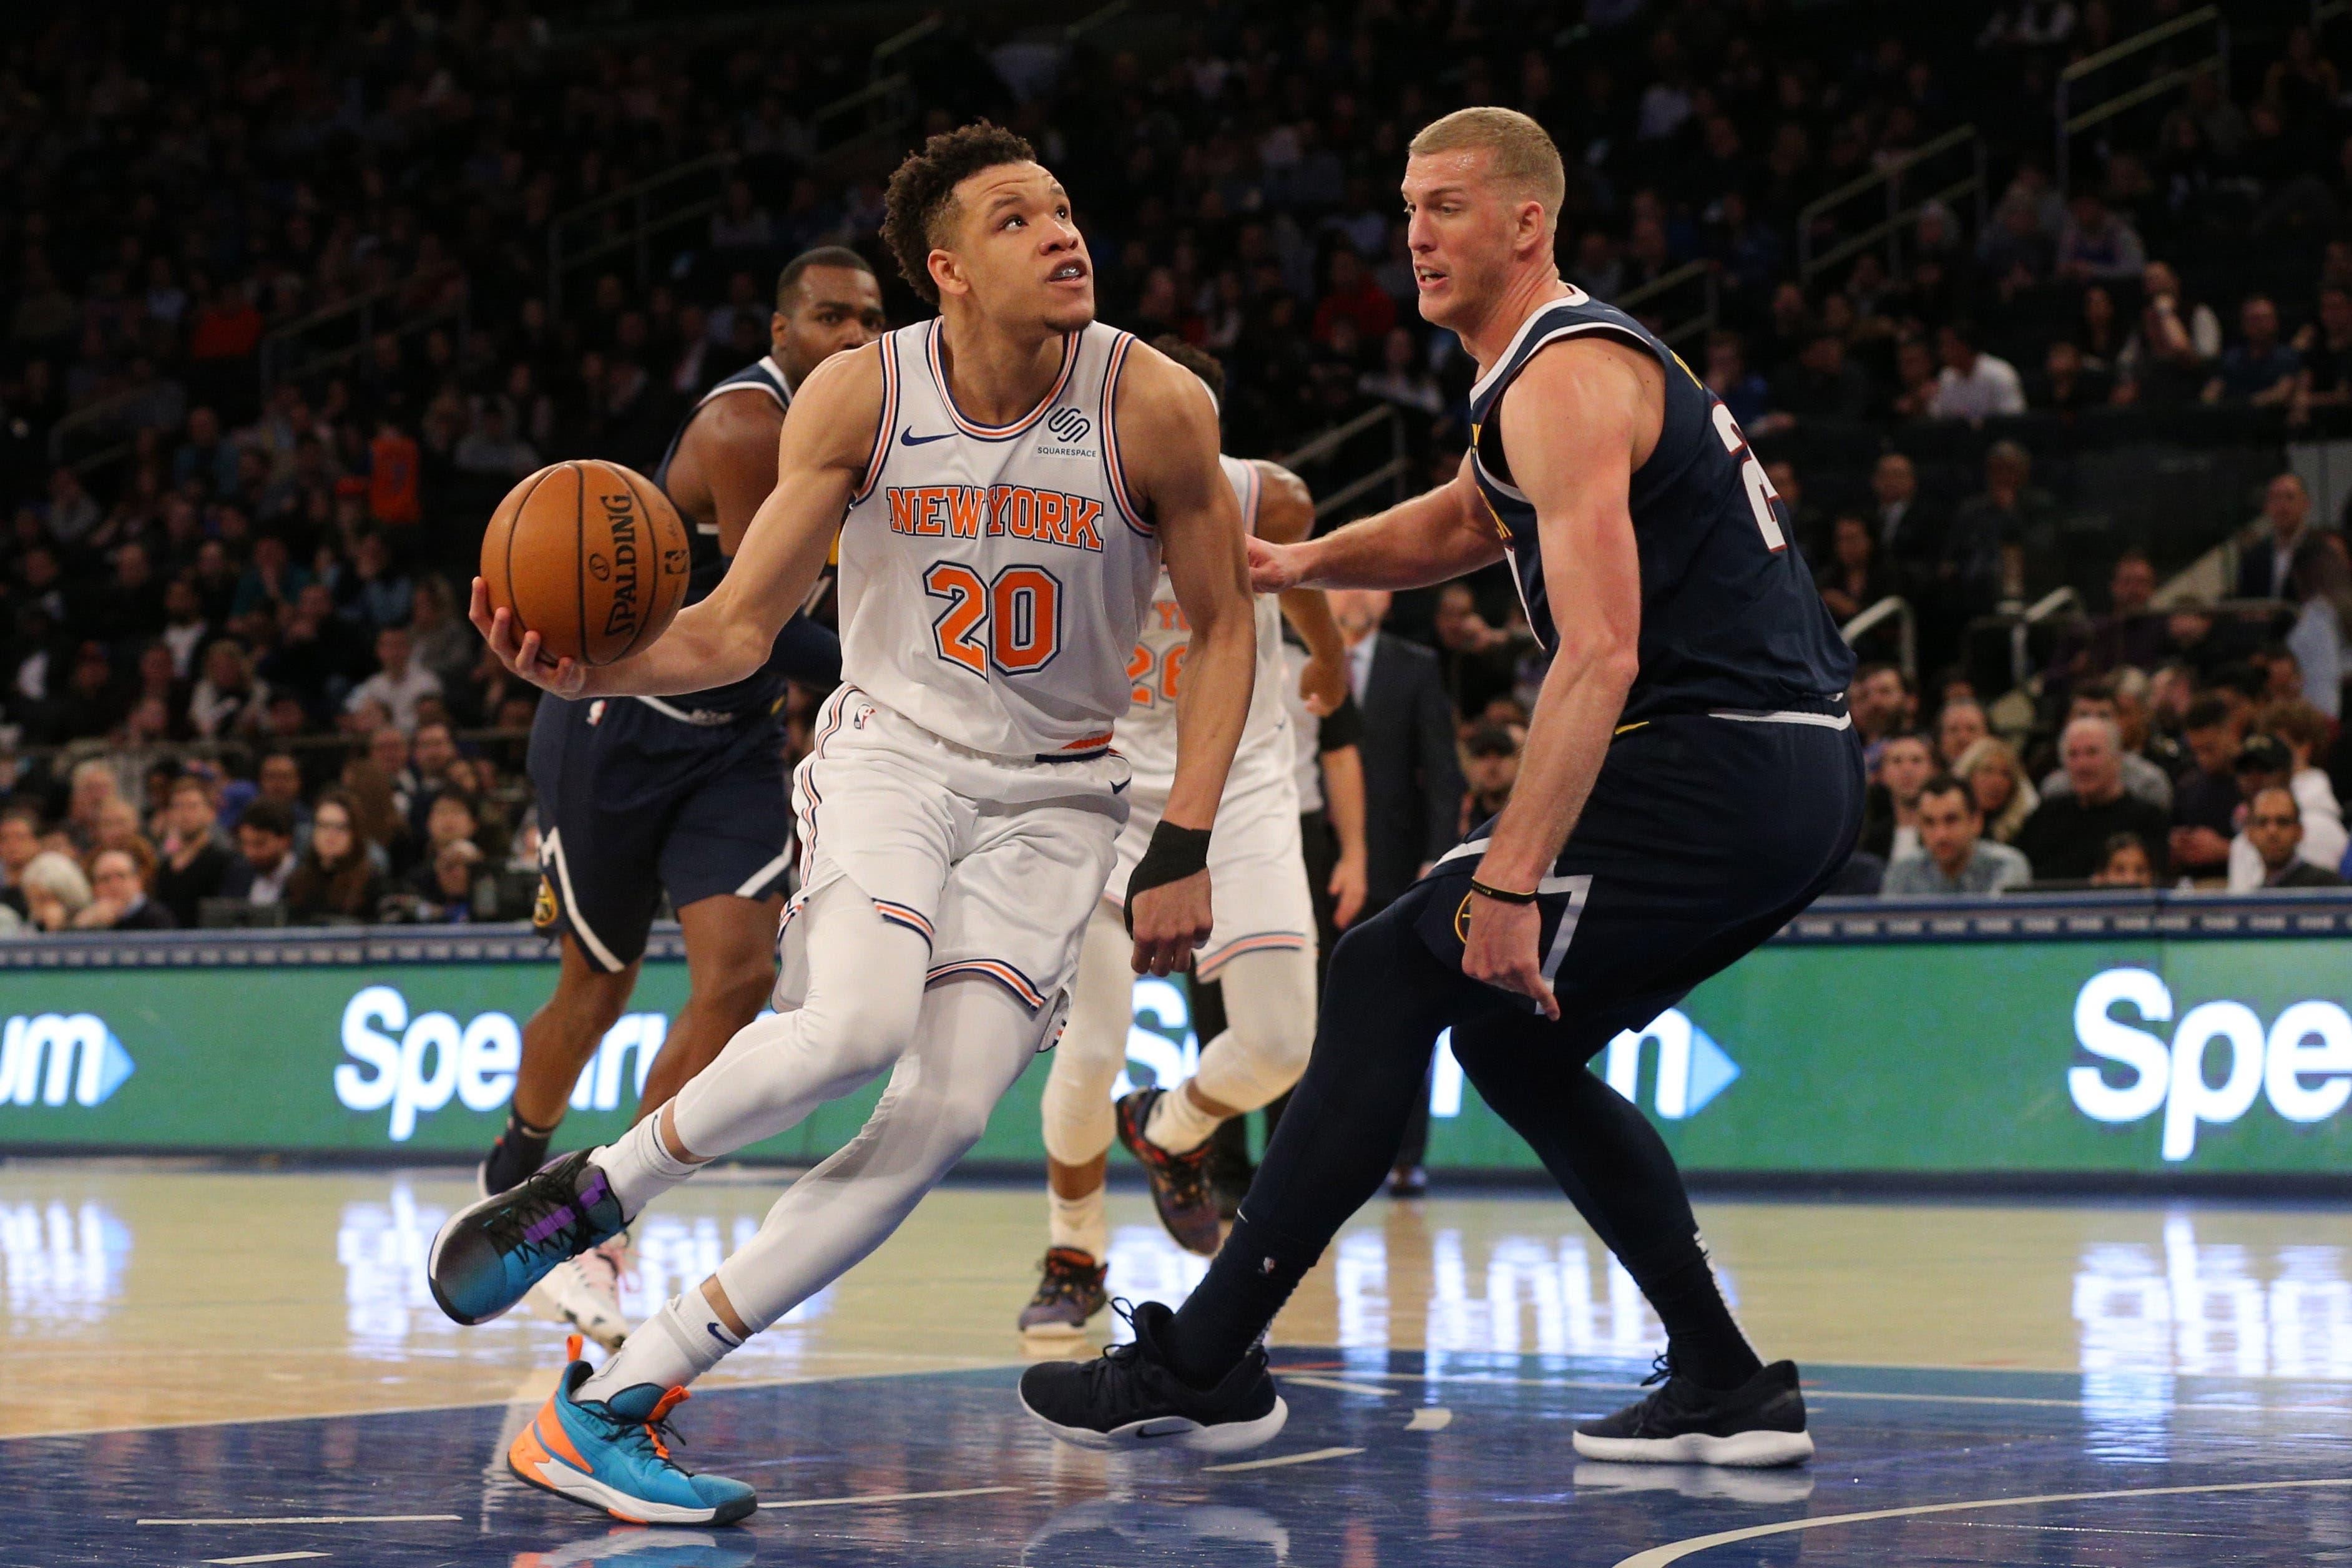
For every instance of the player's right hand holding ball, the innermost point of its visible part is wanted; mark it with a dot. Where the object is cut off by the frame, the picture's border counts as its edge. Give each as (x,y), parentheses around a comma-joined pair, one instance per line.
(523,656)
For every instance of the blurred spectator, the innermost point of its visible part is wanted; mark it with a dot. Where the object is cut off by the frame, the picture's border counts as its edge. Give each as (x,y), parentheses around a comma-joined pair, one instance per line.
(194,861)
(228,700)
(1490,767)
(1479,660)
(336,879)
(2266,762)
(1413,784)
(2326,349)
(2142,777)
(2266,562)
(1910,539)
(1959,726)
(399,683)
(1882,701)
(2205,799)
(2063,838)
(1852,580)
(2165,358)
(265,851)
(2260,368)
(56,891)
(1998,536)
(1954,857)
(119,902)
(1822,384)
(1889,820)
(1742,390)
(278,780)
(2124,863)
(1973,384)
(2274,832)
(454,894)
(2320,584)
(2097,245)
(20,840)
(2068,383)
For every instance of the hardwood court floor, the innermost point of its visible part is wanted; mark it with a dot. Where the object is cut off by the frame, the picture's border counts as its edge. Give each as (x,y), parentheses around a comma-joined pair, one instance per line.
(162,1324)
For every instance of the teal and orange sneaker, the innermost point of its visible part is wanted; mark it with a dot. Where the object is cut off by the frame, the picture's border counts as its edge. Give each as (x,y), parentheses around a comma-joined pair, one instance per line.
(491,1253)
(614,1455)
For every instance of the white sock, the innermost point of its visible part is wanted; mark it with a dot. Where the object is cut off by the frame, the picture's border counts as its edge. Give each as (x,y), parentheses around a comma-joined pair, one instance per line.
(669,1349)
(1081,1224)
(639,1168)
(1177,1124)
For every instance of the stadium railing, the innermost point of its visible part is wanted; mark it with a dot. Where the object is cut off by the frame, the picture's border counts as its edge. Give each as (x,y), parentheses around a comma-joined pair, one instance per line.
(2072,121)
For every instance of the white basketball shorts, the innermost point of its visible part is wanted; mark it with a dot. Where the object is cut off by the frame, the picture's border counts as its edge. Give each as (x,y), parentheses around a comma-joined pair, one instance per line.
(1258,877)
(996,861)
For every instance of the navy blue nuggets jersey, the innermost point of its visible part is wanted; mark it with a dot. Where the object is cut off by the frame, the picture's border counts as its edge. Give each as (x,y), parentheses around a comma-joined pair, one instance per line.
(1730,620)
(803,650)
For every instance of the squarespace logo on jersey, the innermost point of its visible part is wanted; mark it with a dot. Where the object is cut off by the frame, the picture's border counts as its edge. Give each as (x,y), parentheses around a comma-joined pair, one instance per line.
(414,1065)
(2302,1062)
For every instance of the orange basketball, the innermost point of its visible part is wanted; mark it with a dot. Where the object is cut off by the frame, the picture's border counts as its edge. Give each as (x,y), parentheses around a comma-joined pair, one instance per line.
(590,555)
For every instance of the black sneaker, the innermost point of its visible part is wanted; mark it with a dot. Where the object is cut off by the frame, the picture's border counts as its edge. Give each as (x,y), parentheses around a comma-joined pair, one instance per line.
(1128,1398)
(1069,1292)
(1179,1183)
(491,1253)
(1758,1425)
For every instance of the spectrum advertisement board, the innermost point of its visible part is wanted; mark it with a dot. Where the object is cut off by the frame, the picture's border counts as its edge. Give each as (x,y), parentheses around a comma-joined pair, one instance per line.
(2110,1054)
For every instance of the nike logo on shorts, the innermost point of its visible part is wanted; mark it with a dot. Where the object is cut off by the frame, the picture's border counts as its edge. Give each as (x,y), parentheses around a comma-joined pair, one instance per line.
(907,437)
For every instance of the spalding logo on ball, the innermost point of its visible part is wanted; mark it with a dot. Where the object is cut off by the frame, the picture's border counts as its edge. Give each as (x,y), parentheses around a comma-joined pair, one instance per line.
(590,555)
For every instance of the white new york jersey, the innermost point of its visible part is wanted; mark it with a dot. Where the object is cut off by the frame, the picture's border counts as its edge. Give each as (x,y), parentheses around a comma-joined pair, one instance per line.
(1147,734)
(993,577)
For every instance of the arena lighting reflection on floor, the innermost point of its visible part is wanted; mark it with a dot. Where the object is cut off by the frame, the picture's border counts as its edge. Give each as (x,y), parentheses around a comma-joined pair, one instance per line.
(2142,1311)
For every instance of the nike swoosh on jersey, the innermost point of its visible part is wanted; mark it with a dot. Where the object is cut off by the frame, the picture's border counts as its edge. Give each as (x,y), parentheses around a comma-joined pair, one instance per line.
(907,437)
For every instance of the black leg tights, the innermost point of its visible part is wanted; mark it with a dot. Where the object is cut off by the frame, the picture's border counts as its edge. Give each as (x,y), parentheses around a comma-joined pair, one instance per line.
(1616,1169)
(1384,1001)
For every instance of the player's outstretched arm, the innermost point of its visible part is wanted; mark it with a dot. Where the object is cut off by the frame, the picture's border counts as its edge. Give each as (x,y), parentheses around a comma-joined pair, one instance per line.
(1170,426)
(822,452)
(1286,515)
(1432,538)
(1571,422)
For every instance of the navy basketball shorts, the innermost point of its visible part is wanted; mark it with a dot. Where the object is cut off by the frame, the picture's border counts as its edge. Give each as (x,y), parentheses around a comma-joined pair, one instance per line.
(1702,837)
(634,799)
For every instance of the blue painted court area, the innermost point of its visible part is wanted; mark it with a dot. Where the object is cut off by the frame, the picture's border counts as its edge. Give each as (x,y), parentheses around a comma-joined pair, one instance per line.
(1389,1458)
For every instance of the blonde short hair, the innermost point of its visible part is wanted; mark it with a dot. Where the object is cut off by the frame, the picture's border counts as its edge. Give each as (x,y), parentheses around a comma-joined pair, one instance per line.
(1526,161)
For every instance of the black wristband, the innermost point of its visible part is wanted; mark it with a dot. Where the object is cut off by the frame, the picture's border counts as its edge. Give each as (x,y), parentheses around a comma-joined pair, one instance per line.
(1501,895)
(1173,854)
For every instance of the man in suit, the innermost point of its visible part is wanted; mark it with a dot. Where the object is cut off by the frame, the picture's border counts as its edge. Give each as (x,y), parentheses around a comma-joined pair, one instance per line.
(2263,563)
(1412,778)
(1413,782)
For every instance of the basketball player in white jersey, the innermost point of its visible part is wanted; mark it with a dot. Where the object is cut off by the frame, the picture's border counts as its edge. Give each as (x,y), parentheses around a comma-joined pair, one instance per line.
(1262,948)
(639,797)
(1004,482)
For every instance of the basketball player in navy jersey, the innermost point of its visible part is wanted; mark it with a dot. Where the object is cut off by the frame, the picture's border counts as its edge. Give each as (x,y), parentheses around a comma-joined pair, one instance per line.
(639,795)
(1691,781)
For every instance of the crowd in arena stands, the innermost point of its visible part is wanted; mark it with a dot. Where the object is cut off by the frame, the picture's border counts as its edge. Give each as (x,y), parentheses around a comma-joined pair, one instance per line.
(235,671)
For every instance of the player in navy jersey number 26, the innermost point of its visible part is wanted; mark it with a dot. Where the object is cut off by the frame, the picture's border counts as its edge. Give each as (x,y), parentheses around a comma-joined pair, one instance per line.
(1691,781)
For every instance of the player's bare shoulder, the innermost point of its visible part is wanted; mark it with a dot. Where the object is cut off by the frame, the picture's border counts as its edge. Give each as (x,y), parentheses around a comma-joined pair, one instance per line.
(836,417)
(1167,425)
(1286,507)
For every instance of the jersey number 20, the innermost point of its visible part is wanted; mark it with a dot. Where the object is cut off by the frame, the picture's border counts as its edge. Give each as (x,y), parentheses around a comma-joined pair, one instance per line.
(1014,622)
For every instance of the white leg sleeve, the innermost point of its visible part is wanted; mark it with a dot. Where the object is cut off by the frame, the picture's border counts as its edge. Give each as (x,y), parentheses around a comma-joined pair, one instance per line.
(973,1041)
(1076,1104)
(1269,1027)
(865,990)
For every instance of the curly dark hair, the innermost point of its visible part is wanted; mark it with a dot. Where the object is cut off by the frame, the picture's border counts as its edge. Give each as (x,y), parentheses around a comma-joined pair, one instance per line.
(923,189)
